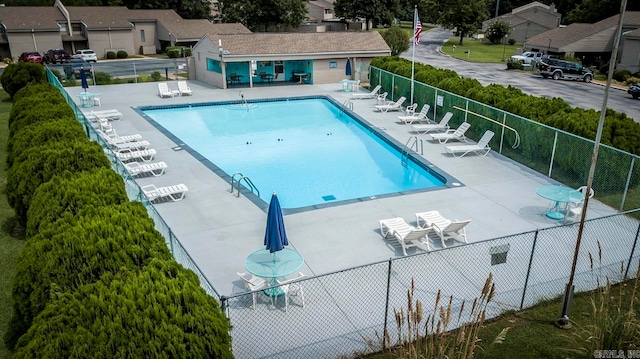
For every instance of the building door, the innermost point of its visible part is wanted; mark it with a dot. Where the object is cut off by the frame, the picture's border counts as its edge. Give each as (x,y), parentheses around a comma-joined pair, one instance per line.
(278,70)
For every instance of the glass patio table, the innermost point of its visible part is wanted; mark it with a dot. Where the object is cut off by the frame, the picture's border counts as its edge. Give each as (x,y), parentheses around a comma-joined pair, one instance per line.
(559,194)
(268,265)
(86,99)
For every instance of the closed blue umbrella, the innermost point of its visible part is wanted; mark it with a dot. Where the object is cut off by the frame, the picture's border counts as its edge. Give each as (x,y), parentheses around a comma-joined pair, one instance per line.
(83,80)
(275,237)
(348,69)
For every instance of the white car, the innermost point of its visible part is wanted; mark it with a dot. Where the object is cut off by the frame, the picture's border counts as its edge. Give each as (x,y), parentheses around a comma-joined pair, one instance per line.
(86,55)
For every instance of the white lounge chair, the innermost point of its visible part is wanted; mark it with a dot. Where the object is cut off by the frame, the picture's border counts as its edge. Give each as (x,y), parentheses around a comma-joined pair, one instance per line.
(482,147)
(166,193)
(132,146)
(109,115)
(404,233)
(382,98)
(367,95)
(130,155)
(410,110)
(140,169)
(426,128)
(113,136)
(254,284)
(419,117)
(163,90)
(452,135)
(391,106)
(444,228)
(291,287)
(184,88)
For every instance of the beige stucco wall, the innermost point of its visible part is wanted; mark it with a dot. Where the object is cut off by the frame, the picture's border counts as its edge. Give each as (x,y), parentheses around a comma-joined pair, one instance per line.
(525,31)
(204,51)
(103,41)
(630,56)
(151,40)
(37,41)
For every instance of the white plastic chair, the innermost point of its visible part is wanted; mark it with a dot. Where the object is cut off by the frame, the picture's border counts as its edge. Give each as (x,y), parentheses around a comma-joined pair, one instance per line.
(291,287)
(254,284)
(96,100)
(574,210)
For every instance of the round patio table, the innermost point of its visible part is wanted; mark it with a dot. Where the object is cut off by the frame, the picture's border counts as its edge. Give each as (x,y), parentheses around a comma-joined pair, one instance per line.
(559,194)
(274,265)
(86,99)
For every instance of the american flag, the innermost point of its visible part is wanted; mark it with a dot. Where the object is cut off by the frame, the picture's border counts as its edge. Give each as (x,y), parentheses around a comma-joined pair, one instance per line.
(417,31)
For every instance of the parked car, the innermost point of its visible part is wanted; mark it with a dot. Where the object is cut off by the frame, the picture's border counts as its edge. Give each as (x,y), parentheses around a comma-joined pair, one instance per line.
(30,57)
(55,56)
(527,57)
(74,66)
(634,90)
(87,55)
(561,69)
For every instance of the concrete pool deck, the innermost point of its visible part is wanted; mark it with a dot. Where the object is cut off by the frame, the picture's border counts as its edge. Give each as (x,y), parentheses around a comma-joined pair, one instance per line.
(219,230)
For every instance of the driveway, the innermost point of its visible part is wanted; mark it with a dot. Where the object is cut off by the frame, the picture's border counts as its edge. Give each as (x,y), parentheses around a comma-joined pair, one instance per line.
(578,94)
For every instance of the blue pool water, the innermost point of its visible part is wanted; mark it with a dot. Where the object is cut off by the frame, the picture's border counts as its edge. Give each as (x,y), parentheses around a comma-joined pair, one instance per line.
(306,150)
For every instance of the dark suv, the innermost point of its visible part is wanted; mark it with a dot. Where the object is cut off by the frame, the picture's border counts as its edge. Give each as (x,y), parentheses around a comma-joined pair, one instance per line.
(561,69)
(56,55)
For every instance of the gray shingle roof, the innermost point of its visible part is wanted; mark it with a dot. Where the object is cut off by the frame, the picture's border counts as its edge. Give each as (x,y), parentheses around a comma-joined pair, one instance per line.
(301,43)
(25,18)
(101,17)
(577,31)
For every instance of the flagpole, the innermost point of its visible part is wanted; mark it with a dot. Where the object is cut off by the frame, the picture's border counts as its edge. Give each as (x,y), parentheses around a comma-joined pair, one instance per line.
(413,55)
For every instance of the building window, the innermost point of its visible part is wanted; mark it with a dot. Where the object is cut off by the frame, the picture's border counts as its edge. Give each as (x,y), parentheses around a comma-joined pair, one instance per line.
(142,37)
(63,27)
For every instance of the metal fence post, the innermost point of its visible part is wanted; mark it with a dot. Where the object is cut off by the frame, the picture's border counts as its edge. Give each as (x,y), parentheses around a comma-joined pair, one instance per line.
(526,280)
(224,305)
(386,308)
(633,249)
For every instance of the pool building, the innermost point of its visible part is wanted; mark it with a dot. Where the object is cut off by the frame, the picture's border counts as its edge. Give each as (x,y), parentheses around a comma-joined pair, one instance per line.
(245,60)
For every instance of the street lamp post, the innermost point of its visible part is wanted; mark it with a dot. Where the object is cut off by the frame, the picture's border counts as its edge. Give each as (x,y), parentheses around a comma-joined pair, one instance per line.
(504,46)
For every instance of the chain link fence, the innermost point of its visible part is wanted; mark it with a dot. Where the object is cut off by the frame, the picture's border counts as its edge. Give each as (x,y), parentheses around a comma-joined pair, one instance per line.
(135,193)
(347,313)
(124,71)
(557,154)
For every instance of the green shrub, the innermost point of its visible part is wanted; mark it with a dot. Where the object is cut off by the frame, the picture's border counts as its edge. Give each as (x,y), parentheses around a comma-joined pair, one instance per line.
(40,133)
(160,312)
(32,110)
(514,65)
(41,90)
(621,75)
(79,250)
(632,80)
(178,51)
(103,78)
(121,54)
(111,55)
(156,76)
(18,75)
(512,42)
(38,165)
(71,193)
(497,31)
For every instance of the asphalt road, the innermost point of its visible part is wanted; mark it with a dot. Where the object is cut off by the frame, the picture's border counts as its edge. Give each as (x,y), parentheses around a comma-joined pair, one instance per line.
(117,68)
(575,93)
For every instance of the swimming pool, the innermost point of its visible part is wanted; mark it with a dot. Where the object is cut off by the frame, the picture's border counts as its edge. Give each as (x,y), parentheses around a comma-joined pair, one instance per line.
(306,149)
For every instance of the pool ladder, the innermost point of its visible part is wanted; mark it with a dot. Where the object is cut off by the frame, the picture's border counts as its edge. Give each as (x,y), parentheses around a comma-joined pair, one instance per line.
(416,145)
(347,104)
(246,180)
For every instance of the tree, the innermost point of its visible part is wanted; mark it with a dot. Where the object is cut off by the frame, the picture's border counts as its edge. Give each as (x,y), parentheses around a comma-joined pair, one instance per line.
(462,15)
(591,11)
(263,14)
(497,31)
(397,39)
(379,11)
(159,312)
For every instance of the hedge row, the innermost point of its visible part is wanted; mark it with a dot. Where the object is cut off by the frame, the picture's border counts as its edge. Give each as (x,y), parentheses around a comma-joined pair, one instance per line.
(94,275)
(619,131)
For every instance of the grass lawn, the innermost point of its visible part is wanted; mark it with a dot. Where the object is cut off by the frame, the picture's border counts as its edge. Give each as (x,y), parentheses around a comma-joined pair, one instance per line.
(10,242)
(532,333)
(479,51)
